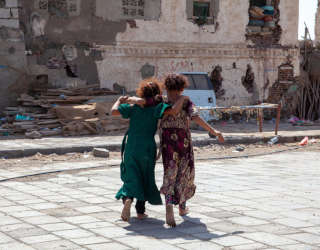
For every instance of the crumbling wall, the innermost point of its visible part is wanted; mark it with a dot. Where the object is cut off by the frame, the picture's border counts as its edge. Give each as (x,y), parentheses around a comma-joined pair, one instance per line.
(12,50)
(173,43)
(60,37)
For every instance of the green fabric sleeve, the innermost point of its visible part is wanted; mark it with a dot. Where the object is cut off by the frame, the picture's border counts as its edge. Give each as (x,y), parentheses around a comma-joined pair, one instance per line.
(160,108)
(125,110)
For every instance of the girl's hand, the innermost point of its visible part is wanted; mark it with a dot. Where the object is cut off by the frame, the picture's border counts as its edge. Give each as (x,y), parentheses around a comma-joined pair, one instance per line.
(220,137)
(123,99)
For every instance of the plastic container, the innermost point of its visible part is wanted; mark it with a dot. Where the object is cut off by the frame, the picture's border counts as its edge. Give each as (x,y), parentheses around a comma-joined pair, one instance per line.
(274,140)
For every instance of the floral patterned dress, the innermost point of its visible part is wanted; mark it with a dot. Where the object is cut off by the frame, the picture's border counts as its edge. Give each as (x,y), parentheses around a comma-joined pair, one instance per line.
(177,154)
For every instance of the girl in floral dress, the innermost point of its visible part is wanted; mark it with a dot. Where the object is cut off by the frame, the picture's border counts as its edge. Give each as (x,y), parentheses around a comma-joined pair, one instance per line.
(177,151)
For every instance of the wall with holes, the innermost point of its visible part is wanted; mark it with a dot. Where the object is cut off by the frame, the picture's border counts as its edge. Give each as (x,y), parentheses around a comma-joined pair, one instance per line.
(77,42)
(12,50)
(177,43)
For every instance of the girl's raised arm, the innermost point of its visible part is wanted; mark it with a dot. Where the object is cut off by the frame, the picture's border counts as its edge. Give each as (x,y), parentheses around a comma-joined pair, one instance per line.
(115,107)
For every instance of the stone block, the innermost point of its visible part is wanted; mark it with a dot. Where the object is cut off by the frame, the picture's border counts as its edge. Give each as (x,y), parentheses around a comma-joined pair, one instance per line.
(10,23)
(12,3)
(101,152)
(5,13)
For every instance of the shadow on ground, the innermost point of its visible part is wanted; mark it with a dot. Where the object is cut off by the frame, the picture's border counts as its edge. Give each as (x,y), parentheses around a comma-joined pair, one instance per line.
(190,229)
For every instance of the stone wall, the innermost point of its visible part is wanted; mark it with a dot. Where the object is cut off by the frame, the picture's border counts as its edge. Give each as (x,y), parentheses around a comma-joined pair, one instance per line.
(77,42)
(175,44)
(12,50)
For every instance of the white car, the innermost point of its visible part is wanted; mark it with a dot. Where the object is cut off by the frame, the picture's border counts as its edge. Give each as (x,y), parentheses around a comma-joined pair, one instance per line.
(201,93)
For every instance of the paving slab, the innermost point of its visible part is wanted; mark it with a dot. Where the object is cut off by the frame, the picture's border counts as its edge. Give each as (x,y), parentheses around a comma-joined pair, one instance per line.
(278,207)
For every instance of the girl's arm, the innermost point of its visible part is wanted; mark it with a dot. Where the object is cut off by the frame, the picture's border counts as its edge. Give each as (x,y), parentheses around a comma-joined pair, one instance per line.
(114,109)
(136,100)
(207,127)
(174,110)
(177,107)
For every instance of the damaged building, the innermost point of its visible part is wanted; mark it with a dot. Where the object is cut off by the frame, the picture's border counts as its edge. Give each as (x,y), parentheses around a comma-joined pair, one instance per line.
(249,47)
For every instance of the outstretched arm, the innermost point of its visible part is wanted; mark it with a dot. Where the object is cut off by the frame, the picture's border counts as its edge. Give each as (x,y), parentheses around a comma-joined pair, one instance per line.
(207,127)
(115,107)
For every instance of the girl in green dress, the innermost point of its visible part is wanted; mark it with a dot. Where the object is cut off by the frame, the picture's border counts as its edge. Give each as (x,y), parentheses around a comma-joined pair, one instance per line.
(139,146)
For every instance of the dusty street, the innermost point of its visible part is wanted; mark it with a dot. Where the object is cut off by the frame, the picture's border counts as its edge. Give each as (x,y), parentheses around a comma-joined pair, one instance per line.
(266,202)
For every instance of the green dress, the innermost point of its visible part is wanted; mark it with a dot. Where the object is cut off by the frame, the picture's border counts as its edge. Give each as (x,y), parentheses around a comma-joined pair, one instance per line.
(139,153)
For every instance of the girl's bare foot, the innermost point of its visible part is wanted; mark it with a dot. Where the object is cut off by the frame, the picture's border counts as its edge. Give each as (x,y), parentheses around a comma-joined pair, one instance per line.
(183,212)
(142,216)
(125,215)
(170,216)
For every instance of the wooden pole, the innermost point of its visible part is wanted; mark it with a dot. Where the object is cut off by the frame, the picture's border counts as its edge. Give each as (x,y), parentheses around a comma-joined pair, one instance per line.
(278,119)
(260,120)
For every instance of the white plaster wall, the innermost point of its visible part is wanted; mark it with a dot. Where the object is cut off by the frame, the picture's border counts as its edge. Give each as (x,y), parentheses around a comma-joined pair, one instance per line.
(125,70)
(289,21)
(174,31)
(173,25)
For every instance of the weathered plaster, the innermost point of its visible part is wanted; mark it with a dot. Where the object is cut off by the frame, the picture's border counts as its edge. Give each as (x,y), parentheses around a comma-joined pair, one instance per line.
(173,25)
(289,22)
(52,30)
(174,44)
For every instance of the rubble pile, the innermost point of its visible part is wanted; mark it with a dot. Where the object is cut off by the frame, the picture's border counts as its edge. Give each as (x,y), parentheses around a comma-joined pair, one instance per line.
(62,111)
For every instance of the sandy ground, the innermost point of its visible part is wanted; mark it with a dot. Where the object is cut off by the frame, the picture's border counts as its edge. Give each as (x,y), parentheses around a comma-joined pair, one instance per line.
(201,153)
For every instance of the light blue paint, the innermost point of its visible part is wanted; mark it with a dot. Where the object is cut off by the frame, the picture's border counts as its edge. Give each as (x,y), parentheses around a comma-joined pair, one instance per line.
(202,95)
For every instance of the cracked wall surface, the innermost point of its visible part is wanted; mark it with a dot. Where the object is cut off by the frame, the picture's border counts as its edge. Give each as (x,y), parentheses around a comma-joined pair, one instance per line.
(77,42)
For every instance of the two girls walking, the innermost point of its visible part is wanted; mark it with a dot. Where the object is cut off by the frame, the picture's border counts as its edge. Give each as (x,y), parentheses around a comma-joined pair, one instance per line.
(137,168)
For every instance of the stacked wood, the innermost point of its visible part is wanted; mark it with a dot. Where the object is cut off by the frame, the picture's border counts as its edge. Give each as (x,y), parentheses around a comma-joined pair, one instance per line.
(38,113)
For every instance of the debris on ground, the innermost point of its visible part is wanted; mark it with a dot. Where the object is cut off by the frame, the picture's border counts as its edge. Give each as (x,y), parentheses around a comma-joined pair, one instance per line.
(33,135)
(101,152)
(274,140)
(239,149)
(62,111)
(305,141)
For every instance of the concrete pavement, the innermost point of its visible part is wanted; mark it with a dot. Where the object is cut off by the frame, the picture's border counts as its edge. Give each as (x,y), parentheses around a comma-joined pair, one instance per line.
(269,202)
(234,133)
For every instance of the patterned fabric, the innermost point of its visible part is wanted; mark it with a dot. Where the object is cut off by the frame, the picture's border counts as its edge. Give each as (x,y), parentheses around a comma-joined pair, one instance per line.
(177,154)
(182,119)
(178,161)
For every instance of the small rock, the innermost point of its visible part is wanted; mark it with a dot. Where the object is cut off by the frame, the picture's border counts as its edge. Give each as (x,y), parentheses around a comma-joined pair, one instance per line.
(240,149)
(101,152)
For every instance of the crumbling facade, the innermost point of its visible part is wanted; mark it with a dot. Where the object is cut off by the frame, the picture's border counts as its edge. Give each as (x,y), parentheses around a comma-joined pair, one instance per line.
(120,42)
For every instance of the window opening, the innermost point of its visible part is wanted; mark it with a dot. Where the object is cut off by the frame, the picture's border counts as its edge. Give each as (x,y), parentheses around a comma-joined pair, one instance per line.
(201,82)
(201,12)
(191,83)
(133,8)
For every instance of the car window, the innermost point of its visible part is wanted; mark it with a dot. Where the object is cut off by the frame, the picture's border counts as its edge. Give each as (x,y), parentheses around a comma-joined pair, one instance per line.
(201,82)
(191,83)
